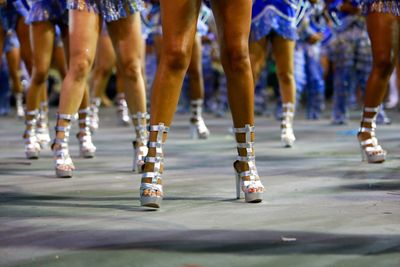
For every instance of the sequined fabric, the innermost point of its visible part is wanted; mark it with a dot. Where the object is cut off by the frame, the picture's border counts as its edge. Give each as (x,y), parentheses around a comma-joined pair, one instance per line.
(48,10)
(274,16)
(382,6)
(110,10)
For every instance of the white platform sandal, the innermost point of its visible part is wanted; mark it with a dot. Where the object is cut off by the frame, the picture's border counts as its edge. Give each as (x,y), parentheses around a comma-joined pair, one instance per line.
(247,181)
(84,136)
(371,151)
(63,163)
(151,191)
(198,128)
(287,134)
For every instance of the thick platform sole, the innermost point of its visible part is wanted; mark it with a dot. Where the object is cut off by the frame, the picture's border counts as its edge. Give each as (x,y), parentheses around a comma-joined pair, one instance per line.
(253,197)
(373,159)
(287,142)
(63,174)
(87,154)
(194,134)
(152,202)
(32,155)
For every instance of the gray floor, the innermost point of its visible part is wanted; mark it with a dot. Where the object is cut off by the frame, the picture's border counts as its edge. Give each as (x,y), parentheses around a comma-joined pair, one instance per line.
(323,207)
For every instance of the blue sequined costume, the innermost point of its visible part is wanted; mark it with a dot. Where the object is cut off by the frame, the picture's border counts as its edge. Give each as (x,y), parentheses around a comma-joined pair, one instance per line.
(22,7)
(110,10)
(274,16)
(308,70)
(382,6)
(350,51)
(48,10)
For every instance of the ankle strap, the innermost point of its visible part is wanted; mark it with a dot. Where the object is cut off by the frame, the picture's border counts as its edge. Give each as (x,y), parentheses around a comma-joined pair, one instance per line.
(84,111)
(197,102)
(64,129)
(246,129)
(32,112)
(371,110)
(44,104)
(141,116)
(67,117)
(288,105)
(159,128)
(96,101)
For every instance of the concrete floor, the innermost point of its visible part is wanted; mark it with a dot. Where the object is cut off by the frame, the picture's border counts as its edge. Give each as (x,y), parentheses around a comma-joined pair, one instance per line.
(323,207)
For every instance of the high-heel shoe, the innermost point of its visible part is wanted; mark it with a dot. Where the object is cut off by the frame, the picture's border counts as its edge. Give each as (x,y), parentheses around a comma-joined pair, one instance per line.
(122,111)
(151,191)
(371,151)
(247,180)
(63,162)
(32,146)
(198,128)
(287,134)
(42,132)
(94,114)
(86,147)
(19,105)
(140,144)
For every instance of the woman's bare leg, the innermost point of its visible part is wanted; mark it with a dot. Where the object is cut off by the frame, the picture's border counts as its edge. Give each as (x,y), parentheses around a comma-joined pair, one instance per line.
(42,40)
(258,56)
(384,32)
(24,40)
(127,39)
(179,28)
(198,128)
(283,51)
(233,25)
(82,50)
(233,20)
(126,35)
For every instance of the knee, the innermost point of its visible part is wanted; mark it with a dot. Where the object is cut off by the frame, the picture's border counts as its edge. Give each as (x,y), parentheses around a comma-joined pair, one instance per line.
(176,58)
(132,69)
(39,76)
(103,70)
(383,66)
(285,77)
(80,68)
(235,58)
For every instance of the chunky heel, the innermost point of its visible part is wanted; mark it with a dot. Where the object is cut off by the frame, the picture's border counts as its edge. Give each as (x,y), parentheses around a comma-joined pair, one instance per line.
(198,128)
(151,191)
(247,180)
(140,144)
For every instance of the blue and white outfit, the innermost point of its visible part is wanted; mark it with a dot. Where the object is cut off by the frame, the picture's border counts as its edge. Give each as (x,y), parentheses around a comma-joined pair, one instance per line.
(381,6)
(274,16)
(7,23)
(351,53)
(110,10)
(54,11)
(22,7)
(308,70)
